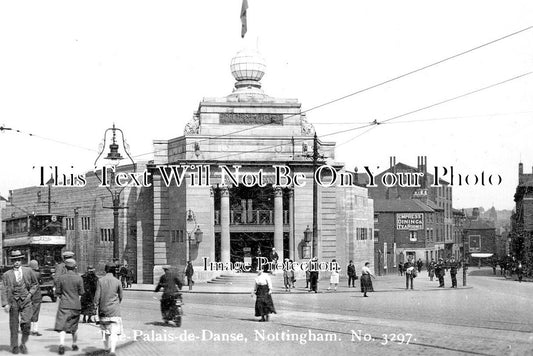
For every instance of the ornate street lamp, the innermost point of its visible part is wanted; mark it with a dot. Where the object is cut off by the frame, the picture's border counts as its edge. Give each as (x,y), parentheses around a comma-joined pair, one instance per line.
(194,233)
(113,160)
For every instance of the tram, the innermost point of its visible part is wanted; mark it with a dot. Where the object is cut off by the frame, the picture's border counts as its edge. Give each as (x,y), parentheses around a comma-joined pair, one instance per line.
(38,236)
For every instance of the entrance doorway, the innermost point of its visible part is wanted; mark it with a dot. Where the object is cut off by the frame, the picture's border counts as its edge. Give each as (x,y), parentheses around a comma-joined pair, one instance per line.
(248,246)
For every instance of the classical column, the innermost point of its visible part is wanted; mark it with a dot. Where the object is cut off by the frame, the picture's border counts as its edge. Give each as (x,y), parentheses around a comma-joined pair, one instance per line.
(212,224)
(224,225)
(278,222)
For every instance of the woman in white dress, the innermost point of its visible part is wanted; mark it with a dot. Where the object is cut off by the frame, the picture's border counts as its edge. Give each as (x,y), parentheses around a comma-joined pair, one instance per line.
(366,280)
(334,278)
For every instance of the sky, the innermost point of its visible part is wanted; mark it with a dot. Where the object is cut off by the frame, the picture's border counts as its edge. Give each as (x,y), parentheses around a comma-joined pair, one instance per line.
(70,69)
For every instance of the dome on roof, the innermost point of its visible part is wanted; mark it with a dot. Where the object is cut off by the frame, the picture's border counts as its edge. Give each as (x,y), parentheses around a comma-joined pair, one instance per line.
(248,65)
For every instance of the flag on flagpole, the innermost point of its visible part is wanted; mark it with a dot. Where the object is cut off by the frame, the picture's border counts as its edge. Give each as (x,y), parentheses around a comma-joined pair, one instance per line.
(244,27)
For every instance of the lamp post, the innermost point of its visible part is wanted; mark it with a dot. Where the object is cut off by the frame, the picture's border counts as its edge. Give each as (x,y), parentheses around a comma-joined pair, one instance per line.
(113,160)
(463,220)
(194,233)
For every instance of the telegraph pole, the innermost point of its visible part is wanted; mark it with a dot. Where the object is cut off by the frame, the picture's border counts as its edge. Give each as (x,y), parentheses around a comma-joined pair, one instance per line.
(315,197)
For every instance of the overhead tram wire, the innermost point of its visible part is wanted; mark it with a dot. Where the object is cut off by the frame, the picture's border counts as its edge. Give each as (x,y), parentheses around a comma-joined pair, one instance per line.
(435,104)
(388,121)
(3,128)
(362,90)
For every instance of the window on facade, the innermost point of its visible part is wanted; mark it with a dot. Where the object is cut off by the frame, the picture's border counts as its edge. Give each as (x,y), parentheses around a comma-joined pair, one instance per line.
(376,235)
(412,236)
(69,223)
(85,223)
(361,233)
(106,235)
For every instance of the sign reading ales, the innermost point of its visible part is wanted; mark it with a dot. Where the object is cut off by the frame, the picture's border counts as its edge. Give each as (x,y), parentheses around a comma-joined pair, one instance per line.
(410,221)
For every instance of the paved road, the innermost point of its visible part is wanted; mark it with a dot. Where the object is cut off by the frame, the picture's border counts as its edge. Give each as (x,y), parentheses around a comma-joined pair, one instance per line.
(492,318)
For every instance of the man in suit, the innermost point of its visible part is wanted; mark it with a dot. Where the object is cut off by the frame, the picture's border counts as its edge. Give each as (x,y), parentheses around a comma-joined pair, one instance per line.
(440,271)
(69,288)
(20,284)
(352,275)
(454,266)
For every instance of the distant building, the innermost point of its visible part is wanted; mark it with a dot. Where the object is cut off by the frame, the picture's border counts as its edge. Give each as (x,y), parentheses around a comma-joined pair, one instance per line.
(522,220)
(403,229)
(480,235)
(438,198)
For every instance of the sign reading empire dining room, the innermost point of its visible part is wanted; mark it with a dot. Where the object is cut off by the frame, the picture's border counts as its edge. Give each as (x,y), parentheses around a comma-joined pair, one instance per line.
(410,221)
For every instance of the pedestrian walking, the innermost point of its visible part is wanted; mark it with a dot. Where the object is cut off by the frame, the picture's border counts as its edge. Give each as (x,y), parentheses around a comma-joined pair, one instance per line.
(307,278)
(419,265)
(520,271)
(36,300)
(264,305)
(123,272)
(60,267)
(313,275)
(69,288)
(352,275)
(440,272)
(90,282)
(189,272)
(274,259)
(288,275)
(131,277)
(293,277)
(334,278)
(400,268)
(19,285)
(410,273)
(107,299)
(431,270)
(453,266)
(366,280)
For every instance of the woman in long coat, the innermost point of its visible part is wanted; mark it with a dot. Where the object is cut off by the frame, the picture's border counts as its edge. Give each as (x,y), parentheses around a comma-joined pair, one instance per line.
(366,280)
(36,300)
(263,291)
(90,281)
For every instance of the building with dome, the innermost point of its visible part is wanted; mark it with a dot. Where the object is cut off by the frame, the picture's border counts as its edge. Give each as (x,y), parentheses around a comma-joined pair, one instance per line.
(238,158)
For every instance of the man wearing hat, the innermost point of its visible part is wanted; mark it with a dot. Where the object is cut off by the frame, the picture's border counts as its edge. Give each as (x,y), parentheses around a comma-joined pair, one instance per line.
(60,268)
(440,272)
(107,299)
(69,288)
(20,284)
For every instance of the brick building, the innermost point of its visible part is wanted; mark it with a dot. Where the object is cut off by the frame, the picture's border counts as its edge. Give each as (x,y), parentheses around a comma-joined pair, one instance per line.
(404,228)
(439,198)
(246,131)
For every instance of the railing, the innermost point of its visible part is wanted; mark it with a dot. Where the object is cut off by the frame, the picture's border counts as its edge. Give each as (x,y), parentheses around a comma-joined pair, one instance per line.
(252,217)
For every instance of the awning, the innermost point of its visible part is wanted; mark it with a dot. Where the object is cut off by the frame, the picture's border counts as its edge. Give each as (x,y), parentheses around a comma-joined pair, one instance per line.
(481,255)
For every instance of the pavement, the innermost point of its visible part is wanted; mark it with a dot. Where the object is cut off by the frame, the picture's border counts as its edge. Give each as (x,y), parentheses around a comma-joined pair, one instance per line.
(387,283)
(89,337)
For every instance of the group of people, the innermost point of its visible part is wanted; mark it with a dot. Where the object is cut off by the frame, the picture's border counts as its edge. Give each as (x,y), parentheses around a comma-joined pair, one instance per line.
(509,266)
(434,269)
(78,295)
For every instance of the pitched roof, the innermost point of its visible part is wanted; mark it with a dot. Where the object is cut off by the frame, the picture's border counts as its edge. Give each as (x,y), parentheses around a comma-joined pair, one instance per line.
(401,206)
